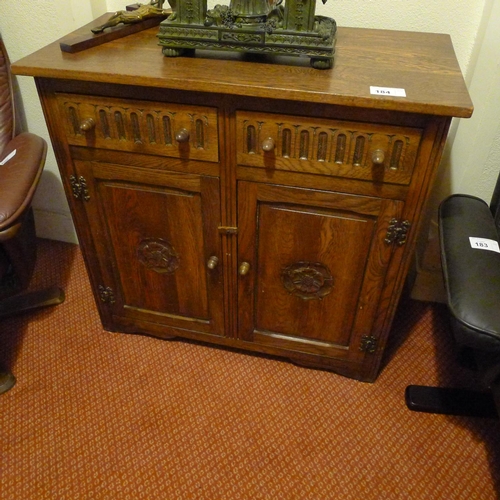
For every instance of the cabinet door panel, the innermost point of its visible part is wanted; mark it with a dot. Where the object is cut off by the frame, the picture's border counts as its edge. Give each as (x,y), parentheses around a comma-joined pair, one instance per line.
(317,265)
(326,256)
(155,241)
(158,268)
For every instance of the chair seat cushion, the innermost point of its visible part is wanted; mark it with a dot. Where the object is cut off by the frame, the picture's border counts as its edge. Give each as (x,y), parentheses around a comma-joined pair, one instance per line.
(19,176)
(471,274)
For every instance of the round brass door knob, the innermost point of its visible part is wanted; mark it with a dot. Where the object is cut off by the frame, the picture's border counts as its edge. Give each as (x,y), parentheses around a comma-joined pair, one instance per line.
(244,268)
(182,135)
(212,262)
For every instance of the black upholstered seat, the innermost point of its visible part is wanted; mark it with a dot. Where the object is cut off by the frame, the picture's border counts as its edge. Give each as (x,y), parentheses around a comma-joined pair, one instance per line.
(471,272)
(469,231)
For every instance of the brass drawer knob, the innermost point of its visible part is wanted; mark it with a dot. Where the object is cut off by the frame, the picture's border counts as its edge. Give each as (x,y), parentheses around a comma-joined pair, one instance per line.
(244,268)
(87,124)
(378,157)
(212,262)
(268,144)
(182,135)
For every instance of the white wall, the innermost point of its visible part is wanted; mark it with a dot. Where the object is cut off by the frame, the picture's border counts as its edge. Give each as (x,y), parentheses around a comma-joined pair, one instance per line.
(475,155)
(25,27)
(471,161)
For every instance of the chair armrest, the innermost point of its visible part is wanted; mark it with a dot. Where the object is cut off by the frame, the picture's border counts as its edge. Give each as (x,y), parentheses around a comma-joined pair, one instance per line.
(19,176)
(472,275)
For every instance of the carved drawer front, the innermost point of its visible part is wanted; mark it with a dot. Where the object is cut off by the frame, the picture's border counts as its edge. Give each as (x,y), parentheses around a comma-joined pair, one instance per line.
(140,126)
(327,147)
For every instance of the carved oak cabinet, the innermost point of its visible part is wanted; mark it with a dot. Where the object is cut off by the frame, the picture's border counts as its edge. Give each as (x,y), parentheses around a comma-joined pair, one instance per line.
(255,204)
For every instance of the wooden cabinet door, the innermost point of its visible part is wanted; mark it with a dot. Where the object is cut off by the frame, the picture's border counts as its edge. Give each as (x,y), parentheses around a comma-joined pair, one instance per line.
(157,246)
(313,264)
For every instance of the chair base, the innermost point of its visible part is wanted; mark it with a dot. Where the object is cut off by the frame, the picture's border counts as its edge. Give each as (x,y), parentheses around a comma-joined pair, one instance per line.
(446,401)
(21,304)
(30,301)
(7,381)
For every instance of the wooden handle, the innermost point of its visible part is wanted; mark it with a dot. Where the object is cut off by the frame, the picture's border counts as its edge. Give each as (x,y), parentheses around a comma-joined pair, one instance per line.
(378,157)
(87,124)
(268,144)
(182,135)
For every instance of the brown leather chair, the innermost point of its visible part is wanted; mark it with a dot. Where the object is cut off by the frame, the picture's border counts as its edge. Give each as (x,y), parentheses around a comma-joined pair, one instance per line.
(22,159)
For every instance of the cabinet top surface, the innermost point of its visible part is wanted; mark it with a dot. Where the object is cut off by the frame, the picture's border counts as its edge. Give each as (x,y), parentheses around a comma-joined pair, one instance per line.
(423,64)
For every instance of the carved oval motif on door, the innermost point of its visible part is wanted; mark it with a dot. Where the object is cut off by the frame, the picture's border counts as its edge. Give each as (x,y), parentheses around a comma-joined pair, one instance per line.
(307,280)
(158,255)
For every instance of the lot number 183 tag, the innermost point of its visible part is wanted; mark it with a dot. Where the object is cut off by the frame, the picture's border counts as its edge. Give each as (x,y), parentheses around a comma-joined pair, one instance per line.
(484,244)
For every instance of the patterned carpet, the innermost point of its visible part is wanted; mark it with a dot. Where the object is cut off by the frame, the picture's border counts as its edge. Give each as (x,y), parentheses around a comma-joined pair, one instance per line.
(99,415)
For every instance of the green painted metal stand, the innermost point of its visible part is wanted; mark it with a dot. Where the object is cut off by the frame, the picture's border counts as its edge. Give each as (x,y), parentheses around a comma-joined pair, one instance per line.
(254,26)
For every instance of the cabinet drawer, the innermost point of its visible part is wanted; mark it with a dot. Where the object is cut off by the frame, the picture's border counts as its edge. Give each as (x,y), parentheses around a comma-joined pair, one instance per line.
(175,130)
(327,147)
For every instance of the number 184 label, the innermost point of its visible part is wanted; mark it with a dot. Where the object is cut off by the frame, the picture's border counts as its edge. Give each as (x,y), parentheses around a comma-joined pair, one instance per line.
(389,91)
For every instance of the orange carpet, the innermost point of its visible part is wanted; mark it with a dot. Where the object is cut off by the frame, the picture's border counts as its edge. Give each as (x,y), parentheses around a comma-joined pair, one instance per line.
(99,415)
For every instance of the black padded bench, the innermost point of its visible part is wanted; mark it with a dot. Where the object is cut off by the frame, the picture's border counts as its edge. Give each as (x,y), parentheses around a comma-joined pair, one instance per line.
(471,270)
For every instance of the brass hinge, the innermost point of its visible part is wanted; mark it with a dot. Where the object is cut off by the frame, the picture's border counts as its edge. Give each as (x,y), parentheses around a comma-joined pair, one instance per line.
(368,344)
(228,230)
(397,232)
(79,188)
(107,294)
